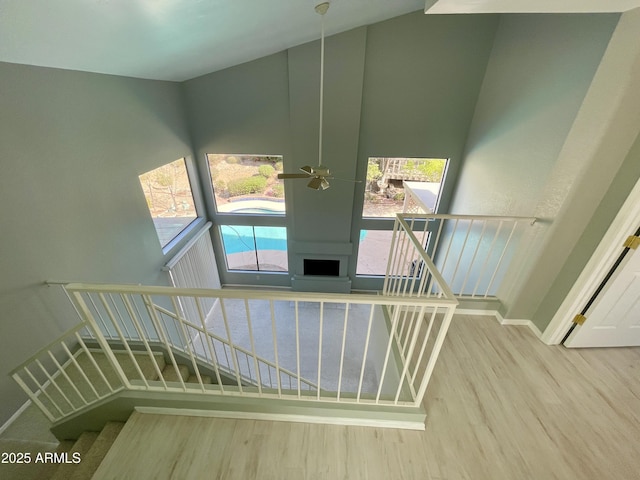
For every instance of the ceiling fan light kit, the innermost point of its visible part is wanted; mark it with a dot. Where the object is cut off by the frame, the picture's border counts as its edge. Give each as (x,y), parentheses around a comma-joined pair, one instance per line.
(318,183)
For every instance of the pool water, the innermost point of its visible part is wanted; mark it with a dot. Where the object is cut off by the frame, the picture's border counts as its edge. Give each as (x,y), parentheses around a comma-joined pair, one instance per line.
(242,238)
(239,238)
(261,211)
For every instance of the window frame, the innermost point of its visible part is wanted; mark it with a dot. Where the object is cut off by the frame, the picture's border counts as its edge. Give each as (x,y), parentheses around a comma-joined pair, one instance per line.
(241,277)
(360,222)
(216,207)
(180,238)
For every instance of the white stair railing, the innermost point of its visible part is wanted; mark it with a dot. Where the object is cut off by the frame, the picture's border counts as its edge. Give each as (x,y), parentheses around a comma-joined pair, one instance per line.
(194,266)
(67,376)
(472,253)
(276,345)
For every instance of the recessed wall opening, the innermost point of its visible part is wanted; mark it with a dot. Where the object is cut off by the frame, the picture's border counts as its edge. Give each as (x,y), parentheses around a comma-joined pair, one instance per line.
(327,268)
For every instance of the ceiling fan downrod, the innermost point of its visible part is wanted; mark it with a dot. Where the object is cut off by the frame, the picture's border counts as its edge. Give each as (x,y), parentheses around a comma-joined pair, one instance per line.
(321,9)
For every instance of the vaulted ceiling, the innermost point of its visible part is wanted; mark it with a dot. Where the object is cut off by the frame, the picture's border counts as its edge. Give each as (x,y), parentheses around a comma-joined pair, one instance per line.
(171,39)
(182,39)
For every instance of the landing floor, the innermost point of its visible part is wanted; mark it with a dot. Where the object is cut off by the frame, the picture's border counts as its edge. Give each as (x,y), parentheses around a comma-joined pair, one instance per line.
(501,405)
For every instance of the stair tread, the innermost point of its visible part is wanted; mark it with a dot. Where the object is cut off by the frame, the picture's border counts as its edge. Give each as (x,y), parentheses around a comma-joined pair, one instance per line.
(93,458)
(81,446)
(34,469)
(77,391)
(50,468)
(170,375)
(206,379)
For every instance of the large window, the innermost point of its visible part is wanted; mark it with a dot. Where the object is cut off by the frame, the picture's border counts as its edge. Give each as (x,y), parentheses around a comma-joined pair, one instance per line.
(373,252)
(250,210)
(394,185)
(170,199)
(247,184)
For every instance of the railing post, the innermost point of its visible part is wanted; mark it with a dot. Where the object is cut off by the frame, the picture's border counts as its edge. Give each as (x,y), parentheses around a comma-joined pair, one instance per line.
(253,348)
(163,335)
(212,351)
(435,353)
(394,237)
(34,397)
(275,347)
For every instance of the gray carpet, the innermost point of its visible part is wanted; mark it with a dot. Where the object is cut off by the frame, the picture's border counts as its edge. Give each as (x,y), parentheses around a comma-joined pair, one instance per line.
(333,333)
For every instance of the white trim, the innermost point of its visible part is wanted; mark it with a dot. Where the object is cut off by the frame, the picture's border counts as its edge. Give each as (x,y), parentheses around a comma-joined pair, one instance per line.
(519,322)
(523,322)
(184,250)
(477,311)
(284,417)
(610,247)
(15,416)
(501,320)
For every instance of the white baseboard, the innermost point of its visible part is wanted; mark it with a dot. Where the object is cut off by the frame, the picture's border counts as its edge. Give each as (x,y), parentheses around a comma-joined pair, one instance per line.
(480,312)
(14,417)
(283,417)
(504,321)
(520,321)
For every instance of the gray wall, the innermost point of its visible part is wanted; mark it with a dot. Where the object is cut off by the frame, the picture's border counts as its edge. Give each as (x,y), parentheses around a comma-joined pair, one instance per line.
(403,87)
(422,79)
(540,71)
(244,109)
(71,148)
(589,175)
(610,205)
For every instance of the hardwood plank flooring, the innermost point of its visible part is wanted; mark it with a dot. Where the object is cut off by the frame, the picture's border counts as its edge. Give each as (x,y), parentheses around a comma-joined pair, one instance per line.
(501,405)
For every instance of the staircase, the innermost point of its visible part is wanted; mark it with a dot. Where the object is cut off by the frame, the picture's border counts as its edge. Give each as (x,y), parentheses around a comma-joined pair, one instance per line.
(77,459)
(278,355)
(49,460)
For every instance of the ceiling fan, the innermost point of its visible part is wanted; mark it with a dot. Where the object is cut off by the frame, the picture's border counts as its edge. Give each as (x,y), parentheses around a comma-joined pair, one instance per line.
(320,174)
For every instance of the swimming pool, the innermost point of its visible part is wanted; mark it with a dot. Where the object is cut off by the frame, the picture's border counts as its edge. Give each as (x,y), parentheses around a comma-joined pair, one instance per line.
(241,238)
(253,206)
(260,211)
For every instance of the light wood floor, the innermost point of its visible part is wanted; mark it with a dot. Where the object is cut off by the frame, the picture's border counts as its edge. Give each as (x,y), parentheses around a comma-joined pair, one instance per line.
(501,405)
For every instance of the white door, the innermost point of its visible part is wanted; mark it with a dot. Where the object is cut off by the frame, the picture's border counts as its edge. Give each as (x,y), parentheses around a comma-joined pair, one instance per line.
(614,318)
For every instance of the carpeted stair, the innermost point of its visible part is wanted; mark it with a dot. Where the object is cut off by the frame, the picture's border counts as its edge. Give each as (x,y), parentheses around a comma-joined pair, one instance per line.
(65,460)
(29,433)
(90,449)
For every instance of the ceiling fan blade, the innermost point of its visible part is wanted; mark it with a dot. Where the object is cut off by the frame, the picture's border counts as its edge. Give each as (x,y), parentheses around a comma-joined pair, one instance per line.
(308,169)
(347,180)
(293,175)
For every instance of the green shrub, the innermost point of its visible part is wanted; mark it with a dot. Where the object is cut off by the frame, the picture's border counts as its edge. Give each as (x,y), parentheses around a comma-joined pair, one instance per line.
(220,186)
(373,172)
(266,170)
(408,167)
(232,159)
(279,166)
(433,169)
(278,190)
(244,186)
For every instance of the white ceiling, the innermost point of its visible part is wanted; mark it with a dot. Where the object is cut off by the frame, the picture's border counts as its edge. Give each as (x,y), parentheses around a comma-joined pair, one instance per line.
(182,39)
(171,39)
(529,6)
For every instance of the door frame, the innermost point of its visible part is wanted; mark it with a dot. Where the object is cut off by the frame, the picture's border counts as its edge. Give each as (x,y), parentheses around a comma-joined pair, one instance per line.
(597,267)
